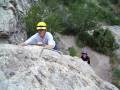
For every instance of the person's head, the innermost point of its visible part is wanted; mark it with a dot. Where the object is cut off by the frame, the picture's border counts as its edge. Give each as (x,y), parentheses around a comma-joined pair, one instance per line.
(84,53)
(41,28)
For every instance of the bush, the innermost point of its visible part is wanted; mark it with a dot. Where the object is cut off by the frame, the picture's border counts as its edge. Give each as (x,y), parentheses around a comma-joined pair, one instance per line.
(83,17)
(102,41)
(114,60)
(85,37)
(116,73)
(72,51)
(79,42)
(114,1)
(116,77)
(116,83)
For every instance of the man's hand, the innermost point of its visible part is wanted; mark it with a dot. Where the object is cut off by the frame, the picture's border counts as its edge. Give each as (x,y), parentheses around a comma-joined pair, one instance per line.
(49,46)
(22,44)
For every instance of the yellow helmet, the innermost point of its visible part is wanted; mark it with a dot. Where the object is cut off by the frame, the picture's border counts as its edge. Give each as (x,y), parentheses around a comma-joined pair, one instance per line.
(41,25)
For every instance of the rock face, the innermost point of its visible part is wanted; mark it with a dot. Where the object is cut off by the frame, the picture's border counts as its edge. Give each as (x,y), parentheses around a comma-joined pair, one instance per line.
(101,65)
(36,68)
(11,12)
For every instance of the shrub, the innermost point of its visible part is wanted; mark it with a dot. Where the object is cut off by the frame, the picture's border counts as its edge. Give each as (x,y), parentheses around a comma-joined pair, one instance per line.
(102,41)
(72,51)
(83,17)
(114,1)
(85,37)
(116,73)
(116,77)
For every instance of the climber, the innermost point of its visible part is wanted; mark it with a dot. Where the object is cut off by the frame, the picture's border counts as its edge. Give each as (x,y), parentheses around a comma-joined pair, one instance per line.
(85,57)
(42,37)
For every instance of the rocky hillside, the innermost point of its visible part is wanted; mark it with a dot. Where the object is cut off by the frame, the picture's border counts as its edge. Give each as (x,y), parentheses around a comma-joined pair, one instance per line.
(36,68)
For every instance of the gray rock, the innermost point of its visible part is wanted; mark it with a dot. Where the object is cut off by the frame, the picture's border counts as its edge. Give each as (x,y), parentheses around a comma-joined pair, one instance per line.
(36,68)
(11,12)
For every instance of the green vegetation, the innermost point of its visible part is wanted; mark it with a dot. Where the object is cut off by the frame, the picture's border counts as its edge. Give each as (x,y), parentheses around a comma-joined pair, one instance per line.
(102,41)
(70,17)
(72,51)
(117,73)
(115,62)
(116,79)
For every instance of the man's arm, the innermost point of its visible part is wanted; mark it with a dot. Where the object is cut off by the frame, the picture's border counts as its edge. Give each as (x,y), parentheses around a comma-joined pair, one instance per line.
(23,44)
(88,60)
(30,41)
(51,42)
(49,46)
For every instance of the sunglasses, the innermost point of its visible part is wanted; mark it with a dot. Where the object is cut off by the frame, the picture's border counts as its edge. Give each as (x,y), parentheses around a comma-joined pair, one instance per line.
(40,30)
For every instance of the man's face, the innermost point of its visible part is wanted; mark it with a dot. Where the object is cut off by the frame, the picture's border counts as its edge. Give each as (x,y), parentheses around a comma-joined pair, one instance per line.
(42,32)
(84,55)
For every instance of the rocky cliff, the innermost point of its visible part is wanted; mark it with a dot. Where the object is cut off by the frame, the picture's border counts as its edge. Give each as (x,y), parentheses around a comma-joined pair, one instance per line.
(36,68)
(11,26)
